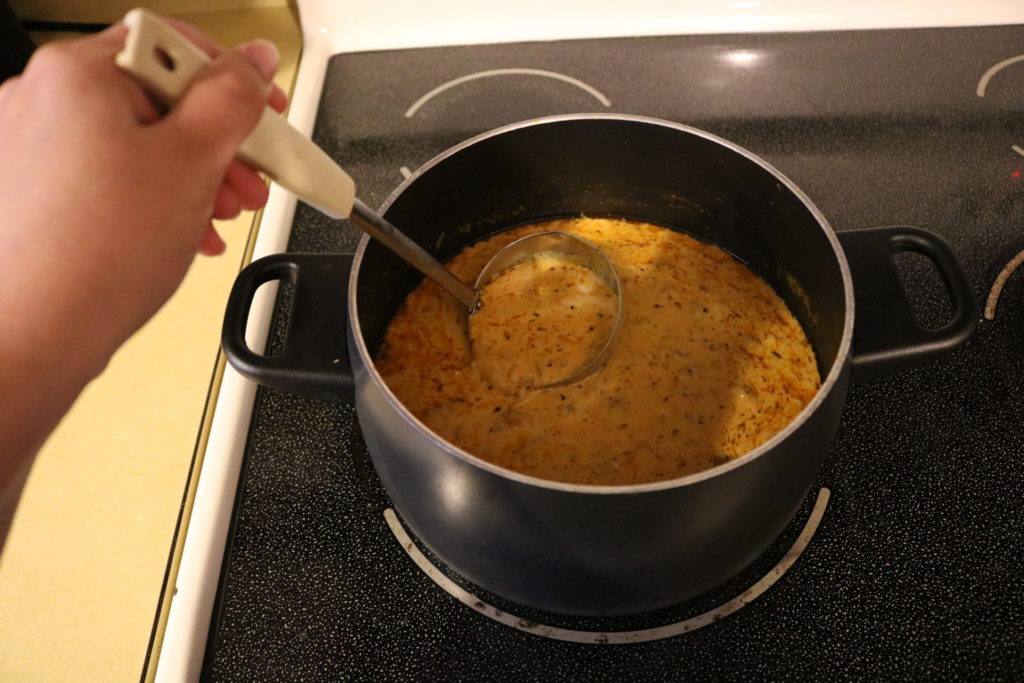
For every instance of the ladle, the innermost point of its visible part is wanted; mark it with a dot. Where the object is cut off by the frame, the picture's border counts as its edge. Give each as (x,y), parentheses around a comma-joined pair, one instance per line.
(165,63)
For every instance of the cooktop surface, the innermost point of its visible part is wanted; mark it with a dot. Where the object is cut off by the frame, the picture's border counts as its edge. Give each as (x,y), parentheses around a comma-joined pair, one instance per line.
(905,558)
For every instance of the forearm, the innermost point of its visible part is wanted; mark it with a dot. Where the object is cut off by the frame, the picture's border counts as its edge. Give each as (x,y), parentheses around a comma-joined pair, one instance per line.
(106,201)
(38,384)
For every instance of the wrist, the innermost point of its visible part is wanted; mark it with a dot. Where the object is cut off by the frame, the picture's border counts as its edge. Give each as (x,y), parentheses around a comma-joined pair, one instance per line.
(51,344)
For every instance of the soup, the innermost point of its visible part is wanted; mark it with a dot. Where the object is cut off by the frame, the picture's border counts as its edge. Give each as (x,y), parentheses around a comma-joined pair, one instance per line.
(554,310)
(709,365)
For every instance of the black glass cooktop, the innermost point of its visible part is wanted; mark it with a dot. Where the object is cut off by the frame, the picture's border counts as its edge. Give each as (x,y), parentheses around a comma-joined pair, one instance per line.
(915,568)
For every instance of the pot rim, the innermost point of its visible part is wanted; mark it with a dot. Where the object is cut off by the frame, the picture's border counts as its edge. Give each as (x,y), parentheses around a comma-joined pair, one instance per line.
(838,365)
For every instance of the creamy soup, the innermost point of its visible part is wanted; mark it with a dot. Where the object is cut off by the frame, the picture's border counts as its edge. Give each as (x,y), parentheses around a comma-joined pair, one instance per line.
(553,309)
(709,364)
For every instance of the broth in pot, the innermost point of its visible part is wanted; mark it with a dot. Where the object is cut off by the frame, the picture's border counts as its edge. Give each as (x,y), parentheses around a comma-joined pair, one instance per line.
(710,363)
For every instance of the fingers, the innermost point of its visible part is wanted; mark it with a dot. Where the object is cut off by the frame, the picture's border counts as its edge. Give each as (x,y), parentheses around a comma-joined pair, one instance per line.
(226,204)
(217,111)
(212,244)
(242,189)
(251,189)
(103,45)
(264,56)
(223,104)
(277,100)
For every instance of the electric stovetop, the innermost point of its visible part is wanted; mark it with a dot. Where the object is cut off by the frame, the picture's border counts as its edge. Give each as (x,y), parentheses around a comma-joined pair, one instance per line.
(905,561)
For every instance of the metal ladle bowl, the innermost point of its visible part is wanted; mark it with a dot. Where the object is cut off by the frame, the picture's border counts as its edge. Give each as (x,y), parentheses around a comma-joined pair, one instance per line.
(165,63)
(588,255)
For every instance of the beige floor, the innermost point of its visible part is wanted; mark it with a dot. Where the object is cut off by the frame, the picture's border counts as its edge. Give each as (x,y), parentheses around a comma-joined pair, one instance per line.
(81,575)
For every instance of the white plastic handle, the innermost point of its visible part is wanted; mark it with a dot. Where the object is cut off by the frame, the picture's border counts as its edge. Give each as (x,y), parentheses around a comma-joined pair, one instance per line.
(165,62)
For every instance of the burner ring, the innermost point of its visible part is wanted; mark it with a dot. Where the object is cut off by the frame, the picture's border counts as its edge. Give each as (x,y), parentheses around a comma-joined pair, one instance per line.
(613,637)
(597,94)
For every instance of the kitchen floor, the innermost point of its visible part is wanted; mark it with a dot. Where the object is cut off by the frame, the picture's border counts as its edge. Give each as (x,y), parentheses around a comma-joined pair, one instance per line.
(84,565)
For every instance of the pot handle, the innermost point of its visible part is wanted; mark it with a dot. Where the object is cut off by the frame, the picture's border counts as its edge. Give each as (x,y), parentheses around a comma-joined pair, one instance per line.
(314,361)
(886,336)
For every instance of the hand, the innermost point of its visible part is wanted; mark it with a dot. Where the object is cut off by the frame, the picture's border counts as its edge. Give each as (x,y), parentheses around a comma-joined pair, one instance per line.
(242,188)
(105,203)
(102,195)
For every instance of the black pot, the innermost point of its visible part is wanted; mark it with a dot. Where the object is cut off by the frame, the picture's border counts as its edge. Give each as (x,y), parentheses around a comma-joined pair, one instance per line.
(601,550)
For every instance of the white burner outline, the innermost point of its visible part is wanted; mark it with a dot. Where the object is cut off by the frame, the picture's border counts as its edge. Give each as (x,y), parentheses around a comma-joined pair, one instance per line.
(1009,268)
(613,637)
(597,94)
(993,70)
(1000,282)
(983,85)
(512,71)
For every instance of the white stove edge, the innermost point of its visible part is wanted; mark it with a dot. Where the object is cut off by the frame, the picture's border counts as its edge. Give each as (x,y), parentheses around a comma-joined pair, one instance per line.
(330,28)
(191,608)
(406,23)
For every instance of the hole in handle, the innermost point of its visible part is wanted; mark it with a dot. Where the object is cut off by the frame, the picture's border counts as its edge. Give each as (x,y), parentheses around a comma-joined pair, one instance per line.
(164,58)
(276,296)
(924,287)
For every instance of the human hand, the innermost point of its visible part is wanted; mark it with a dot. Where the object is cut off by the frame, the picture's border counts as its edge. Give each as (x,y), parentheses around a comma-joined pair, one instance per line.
(105,202)
(242,187)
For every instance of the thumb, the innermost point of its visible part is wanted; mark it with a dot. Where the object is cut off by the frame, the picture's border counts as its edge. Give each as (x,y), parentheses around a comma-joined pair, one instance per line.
(223,104)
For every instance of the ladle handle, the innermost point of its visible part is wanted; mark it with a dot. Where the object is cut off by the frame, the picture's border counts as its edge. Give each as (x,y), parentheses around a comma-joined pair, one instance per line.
(165,62)
(375,226)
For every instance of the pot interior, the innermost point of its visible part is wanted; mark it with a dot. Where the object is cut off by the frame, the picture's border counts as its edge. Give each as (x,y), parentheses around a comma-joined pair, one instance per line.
(629,167)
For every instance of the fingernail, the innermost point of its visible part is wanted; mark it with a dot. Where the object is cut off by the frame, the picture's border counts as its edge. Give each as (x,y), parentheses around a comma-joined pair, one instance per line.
(264,55)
